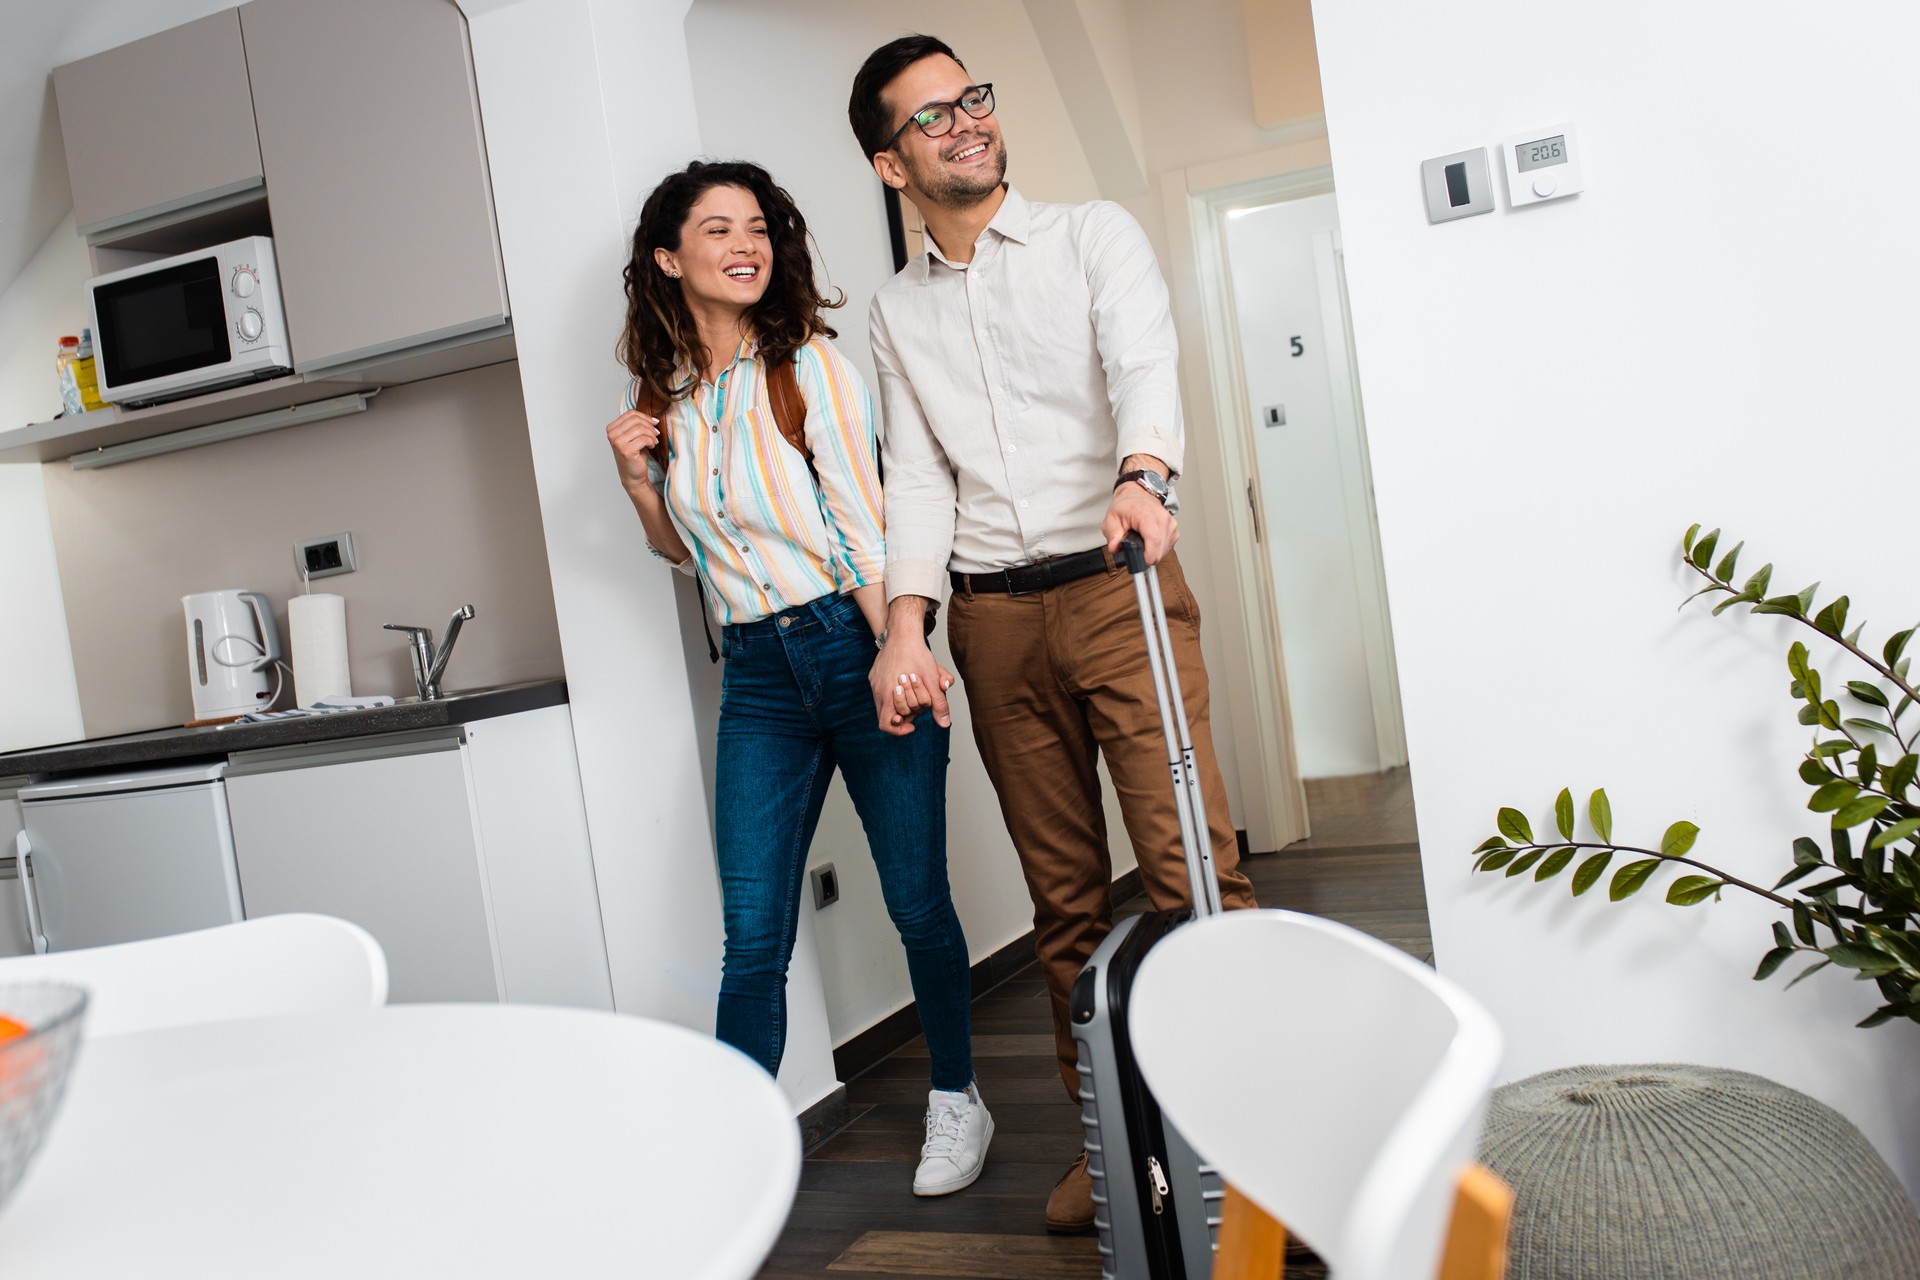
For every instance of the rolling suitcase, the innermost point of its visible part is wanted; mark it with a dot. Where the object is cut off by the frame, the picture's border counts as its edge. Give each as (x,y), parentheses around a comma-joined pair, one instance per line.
(1156,1208)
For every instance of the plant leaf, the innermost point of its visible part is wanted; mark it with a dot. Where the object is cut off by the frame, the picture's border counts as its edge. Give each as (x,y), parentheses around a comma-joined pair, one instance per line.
(1491,842)
(1600,814)
(1832,620)
(1628,879)
(1815,774)
(1590,871)
(1865,726)
(1703,549)
(1686,540)
(1832,796)
(1868,693)
(1514,826)
(1771,962)
(1803,923)
(1495,860)
(1806,853)
(1857,812)
(1555,863)
(1806,599)
(1797,661)
(1865,766)
(1895,834)
(1870,961)
(1688,891)
(1524,861)
(1789,605)
(1724,570)
(1895,644)
(1807,972)
(1679,839)
(1781,938)
(1756,586)
(1798,873)
(1563,813)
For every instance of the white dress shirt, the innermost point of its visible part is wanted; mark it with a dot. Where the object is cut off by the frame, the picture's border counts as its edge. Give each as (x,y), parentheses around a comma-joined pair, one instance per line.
(1014,384)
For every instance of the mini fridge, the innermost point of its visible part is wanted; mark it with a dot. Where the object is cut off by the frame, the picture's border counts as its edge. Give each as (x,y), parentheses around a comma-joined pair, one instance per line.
(117,857)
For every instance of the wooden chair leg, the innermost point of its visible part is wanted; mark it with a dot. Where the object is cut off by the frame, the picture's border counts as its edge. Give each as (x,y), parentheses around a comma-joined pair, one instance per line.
(1252,1246)
(1477,1237)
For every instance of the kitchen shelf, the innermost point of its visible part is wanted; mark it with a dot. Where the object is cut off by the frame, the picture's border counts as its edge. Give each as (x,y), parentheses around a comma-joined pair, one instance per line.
(81,433)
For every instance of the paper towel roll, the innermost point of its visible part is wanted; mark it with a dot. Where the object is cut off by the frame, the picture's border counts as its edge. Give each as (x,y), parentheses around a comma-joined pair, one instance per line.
(318,624)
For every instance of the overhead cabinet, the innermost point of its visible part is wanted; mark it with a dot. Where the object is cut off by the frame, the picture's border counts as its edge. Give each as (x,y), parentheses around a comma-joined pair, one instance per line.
(159,129)
(376,172)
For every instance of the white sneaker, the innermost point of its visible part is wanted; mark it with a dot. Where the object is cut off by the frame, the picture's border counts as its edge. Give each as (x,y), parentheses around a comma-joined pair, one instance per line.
(958,1131)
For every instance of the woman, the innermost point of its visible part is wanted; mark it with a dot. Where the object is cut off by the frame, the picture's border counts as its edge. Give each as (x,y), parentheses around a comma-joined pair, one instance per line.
(723,321)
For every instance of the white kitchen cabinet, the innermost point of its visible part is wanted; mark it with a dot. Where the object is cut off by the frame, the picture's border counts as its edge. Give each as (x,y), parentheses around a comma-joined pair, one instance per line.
(376,171)
(463,850)
(160,129)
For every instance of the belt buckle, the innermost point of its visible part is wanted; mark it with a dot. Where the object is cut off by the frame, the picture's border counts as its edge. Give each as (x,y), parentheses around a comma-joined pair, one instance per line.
(1042,568)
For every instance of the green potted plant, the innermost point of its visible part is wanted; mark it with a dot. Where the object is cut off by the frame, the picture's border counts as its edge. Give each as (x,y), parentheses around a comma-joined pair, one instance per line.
(1855,903)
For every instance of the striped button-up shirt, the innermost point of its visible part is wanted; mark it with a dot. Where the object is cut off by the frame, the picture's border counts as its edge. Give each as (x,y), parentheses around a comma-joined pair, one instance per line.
(1014,384)
(765,534)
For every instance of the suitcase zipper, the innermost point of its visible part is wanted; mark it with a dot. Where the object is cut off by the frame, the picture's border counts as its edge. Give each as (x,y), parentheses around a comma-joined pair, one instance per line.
(1158,1180)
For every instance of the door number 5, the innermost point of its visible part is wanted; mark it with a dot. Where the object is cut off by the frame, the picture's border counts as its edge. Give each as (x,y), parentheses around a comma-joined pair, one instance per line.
(1298,350)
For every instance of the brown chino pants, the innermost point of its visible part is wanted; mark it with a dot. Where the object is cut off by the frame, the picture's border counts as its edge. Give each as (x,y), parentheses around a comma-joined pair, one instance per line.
(1052,679)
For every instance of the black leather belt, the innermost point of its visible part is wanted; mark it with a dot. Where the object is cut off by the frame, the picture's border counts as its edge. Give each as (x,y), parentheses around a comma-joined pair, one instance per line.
(1024,579)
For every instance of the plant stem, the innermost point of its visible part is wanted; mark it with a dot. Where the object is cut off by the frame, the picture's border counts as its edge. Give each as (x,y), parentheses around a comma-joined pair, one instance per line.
(1808,622)
(1664,857)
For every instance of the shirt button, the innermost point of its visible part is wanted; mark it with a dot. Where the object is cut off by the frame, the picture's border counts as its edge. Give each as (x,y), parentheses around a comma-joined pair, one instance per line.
(1023,504)
(716,471)
(766,586)
(1013,448)
(745,551)
(714,427)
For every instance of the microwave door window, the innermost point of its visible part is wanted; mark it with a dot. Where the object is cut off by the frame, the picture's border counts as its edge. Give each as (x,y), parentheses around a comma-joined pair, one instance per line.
(171,321)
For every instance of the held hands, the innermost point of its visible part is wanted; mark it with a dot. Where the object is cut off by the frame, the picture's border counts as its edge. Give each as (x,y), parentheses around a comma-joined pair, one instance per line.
(1134,508)
(632,435)
(906,680)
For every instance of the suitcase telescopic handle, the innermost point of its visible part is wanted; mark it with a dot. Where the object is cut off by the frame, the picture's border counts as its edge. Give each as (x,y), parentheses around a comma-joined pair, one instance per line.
(1187,794)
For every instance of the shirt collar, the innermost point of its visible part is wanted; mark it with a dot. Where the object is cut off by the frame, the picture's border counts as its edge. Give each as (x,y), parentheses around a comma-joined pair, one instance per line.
(1012,221)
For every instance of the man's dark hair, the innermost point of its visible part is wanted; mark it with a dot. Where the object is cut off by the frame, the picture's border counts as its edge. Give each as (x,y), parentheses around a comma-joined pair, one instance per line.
(866,109)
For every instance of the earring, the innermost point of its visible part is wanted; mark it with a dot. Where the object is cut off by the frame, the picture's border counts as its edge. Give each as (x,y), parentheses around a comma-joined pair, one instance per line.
(673,275)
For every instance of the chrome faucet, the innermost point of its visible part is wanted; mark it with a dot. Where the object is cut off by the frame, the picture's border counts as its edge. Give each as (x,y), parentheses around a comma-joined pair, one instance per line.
(427,664)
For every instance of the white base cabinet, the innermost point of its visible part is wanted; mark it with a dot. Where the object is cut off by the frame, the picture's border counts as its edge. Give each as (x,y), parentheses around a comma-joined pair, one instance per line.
(15,940)
(462,850)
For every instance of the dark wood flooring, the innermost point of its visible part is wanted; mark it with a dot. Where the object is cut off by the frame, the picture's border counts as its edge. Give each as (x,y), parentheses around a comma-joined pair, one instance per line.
(856,1214)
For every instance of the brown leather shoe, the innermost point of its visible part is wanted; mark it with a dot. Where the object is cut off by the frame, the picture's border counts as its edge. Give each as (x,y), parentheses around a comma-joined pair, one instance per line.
(1070,1206)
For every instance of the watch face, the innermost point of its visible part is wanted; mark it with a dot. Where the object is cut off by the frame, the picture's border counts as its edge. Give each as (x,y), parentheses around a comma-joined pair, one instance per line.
(1154,481)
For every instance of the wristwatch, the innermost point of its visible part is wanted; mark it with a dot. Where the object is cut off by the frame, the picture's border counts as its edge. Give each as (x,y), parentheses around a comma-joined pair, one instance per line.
(1152,481)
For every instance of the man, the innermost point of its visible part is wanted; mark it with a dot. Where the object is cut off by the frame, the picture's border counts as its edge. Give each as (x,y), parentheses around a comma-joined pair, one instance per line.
(1032,406)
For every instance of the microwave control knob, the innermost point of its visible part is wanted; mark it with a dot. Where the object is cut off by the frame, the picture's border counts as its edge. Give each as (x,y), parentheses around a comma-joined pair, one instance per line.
(250,325)
(245,281)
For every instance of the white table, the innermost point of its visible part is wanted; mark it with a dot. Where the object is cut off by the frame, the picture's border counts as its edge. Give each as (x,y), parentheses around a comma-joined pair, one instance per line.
(413,1140)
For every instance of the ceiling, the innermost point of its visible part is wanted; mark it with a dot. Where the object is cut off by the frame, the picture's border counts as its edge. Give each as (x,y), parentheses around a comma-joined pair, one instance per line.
(35,37)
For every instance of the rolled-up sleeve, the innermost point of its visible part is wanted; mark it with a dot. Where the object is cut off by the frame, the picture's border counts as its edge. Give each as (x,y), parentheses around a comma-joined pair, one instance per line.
(1133,329)
(840,431)
(919,479)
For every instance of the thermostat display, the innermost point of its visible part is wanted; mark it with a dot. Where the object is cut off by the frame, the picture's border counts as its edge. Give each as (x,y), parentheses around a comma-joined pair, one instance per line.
(1538,155)
(1542,165)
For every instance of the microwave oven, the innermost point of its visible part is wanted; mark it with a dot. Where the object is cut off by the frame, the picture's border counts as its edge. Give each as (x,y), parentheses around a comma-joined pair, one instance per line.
(189,324)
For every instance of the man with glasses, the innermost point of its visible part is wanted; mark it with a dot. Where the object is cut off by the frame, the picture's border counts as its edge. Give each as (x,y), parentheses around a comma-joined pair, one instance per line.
(1032,405)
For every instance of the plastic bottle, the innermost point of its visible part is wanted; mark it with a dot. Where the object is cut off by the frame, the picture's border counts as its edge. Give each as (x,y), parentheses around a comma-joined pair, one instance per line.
(85,374)
(63,369)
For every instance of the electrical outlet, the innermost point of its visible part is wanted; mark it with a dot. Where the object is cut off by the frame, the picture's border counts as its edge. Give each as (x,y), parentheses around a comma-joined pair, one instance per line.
(325,557)
(826,885)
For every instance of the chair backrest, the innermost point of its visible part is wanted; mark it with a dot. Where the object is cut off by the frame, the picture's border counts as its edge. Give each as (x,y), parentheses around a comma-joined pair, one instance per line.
(1337,1083)
(275,964)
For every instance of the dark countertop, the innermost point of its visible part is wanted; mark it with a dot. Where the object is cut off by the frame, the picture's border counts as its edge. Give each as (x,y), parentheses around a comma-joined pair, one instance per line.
(212,741)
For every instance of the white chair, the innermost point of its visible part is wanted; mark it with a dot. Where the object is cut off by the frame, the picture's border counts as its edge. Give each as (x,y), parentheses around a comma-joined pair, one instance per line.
(275,964)
(1337,1084)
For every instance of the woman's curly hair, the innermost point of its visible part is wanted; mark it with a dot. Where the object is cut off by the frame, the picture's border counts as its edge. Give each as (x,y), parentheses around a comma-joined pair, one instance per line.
(660,336)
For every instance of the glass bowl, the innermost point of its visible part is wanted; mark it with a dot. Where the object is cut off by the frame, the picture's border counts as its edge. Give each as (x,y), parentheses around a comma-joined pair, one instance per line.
(34,1067)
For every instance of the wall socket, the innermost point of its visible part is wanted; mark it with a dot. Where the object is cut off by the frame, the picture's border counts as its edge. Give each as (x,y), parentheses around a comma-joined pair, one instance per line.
(826,885)
(325,557)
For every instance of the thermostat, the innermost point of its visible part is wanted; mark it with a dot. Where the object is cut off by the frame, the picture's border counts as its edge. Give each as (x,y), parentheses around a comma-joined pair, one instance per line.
(1542,165)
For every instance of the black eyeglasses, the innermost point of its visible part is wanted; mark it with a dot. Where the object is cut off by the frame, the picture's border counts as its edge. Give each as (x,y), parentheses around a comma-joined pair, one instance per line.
(937,119)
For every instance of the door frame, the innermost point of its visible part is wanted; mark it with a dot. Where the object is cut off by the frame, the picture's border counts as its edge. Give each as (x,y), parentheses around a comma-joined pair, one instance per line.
(1195,201)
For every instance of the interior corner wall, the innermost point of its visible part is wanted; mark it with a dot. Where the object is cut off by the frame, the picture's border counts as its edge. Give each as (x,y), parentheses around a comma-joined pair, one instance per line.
(39,698)
(1719,329)
(587,104)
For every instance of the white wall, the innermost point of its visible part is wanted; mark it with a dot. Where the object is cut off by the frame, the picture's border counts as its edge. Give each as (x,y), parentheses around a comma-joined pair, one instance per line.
(761,60)
(1721,329)
(39,700)
(587,103)
(1276,296)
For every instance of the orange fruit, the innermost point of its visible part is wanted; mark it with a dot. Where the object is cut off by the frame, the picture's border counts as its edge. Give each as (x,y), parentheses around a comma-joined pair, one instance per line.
(10,1029)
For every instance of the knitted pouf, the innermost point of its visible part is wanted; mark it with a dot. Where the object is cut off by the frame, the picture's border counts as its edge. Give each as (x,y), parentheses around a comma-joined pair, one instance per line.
(1692,1173)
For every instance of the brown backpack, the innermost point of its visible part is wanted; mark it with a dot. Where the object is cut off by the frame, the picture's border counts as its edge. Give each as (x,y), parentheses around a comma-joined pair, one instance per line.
(783,392)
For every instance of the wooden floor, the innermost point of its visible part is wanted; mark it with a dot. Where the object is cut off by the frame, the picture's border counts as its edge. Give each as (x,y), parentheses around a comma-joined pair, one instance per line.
(856,1215)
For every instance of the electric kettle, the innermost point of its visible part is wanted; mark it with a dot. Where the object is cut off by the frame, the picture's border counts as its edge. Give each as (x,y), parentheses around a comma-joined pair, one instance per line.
(232,646)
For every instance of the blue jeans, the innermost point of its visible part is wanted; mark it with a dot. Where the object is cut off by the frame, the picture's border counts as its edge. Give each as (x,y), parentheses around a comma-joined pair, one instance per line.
(795,704)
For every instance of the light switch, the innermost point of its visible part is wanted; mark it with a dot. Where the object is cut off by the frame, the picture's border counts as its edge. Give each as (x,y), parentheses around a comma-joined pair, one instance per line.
(1457,186)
